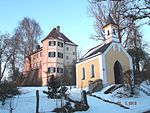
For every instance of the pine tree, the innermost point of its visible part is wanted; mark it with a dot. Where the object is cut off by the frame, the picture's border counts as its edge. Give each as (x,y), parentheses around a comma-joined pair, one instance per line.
(53,86)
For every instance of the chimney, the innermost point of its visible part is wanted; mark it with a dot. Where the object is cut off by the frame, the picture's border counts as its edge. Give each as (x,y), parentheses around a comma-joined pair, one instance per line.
(58,28)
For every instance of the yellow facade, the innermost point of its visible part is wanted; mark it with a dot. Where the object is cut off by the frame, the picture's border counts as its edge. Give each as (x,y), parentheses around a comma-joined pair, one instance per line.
(87,65)
(103,62)
(110,58)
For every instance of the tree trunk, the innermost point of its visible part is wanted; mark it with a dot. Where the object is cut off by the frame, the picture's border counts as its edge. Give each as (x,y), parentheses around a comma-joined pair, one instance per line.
(0,67)
(137,55)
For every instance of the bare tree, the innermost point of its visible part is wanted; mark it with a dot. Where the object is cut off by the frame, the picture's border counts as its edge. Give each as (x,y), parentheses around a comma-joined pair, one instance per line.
(140,9)
(100,11)
(79,54)
(6,52)
(118,10)
(138,50)
(14,49)
(3,58)
(15,62)
(28,32)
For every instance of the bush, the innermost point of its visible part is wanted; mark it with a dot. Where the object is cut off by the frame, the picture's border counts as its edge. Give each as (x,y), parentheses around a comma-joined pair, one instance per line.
(7,90)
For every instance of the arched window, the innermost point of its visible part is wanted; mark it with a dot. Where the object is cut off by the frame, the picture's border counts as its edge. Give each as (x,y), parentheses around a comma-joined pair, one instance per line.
(108,33)
(92,71)
(83,73)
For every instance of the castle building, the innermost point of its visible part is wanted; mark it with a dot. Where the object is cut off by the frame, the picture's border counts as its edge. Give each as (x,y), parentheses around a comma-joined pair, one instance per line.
(57,52)
(107,61)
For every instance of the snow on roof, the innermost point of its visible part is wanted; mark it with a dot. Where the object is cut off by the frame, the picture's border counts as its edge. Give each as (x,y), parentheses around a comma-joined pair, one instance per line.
(60,38)
(92,50)
(96,50)
(70,43)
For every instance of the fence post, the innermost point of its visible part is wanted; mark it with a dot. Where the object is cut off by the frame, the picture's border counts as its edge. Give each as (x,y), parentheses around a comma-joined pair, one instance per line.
(37,101)
(11,109)
(84,97)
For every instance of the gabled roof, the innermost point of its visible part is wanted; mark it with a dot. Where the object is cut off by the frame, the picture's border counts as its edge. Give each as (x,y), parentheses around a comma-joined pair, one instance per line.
(55,34)
(95,51)
(109,21)
(34,52)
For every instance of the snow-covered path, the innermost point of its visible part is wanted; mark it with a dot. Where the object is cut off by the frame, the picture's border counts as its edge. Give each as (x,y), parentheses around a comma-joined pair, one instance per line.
(99,106)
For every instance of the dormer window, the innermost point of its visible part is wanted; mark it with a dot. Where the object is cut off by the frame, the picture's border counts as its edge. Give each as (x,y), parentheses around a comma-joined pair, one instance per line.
(108,33)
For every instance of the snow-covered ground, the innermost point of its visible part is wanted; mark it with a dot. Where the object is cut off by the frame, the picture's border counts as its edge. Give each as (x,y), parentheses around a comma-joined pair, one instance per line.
(136,104)
(26,102)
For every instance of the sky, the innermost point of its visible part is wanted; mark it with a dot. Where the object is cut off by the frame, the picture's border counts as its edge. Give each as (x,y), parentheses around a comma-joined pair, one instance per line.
(71,15)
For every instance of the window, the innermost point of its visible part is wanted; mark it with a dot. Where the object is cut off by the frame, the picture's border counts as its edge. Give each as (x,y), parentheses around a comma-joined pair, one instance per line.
(59,70)
(60,44)
(51,69)
(51,54)
(67,57)
(108,33)
(60,55)
(37,55)
(34,57)
(92,71)
(52,43)
(40,54)
(83,73)
(67,48)
(73,53)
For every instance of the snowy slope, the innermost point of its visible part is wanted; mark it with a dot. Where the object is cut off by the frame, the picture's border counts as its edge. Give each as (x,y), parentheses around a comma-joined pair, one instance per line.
(137,104)
(26,102)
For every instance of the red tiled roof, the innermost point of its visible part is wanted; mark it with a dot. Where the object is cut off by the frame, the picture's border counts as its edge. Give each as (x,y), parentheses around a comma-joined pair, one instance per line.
(55,34)
(38,50)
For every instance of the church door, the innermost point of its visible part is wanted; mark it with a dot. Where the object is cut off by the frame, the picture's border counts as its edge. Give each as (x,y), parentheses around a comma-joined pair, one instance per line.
(118,74)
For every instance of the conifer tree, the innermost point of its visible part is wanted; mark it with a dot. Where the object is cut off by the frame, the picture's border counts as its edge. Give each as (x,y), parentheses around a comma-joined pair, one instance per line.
(53,86)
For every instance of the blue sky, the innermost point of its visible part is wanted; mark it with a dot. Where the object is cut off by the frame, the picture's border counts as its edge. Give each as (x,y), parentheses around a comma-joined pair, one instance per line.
(70,15)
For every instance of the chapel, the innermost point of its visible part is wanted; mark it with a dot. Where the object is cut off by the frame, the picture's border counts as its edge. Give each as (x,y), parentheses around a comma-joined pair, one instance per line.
(107,61)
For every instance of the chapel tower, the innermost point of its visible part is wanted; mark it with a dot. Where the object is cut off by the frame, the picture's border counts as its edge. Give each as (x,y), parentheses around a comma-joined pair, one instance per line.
(110,30)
